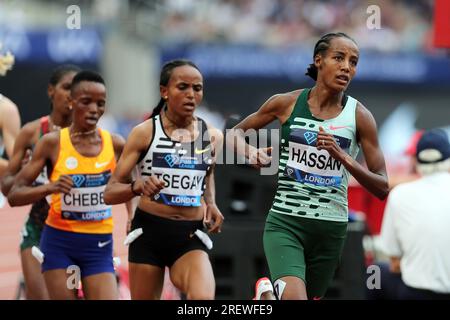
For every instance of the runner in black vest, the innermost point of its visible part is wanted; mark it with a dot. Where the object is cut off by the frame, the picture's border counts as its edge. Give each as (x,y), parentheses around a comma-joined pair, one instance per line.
(175,154)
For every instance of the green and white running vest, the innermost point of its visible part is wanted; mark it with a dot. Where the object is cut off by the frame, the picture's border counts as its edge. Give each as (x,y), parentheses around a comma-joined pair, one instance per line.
(311,183)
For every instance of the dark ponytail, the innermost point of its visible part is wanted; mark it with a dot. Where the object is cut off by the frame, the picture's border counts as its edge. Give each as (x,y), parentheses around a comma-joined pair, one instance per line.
(320,48)
(158,108)
(166,73)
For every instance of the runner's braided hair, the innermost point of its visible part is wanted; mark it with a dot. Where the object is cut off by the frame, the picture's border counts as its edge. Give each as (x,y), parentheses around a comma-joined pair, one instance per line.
(321,47)
(166,73)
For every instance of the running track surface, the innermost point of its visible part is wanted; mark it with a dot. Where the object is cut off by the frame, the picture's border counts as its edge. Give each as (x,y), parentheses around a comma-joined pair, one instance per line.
(11,222)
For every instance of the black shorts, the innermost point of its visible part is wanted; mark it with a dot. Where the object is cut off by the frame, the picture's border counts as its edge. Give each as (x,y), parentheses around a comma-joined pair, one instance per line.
(163,240)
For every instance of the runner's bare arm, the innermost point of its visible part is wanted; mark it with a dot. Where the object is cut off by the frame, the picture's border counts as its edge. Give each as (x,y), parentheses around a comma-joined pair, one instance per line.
(119,189)
(375,178)
(276,107)
(10,124)
(21,146)
(119,144)
(213,217)
(22,192)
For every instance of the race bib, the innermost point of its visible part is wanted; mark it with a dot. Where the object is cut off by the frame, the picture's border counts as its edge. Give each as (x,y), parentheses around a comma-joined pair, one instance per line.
(307,164)
(183,178)
(85,200)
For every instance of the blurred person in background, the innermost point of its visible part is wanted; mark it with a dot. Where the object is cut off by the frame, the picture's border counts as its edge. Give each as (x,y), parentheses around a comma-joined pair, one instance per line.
(410,172)
(60,116)
(174,151)
(78,229)
(391,281)
(9,117)
(322,130)
(416,223)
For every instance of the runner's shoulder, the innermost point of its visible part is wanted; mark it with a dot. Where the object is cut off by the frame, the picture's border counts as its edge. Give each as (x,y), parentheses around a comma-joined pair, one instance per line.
(141,134)
(284,99)
(280,104)
(31,129)
(50,139)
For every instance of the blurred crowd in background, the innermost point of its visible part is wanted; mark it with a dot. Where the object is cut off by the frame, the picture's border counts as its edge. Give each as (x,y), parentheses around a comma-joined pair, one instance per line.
(406,24)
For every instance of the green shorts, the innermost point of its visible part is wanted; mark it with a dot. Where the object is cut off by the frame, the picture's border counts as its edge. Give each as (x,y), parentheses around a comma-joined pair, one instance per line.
(306,248)
(31,231)
(31,235)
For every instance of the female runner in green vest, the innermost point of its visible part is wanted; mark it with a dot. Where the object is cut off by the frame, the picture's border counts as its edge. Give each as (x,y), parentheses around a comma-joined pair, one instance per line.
(322,130)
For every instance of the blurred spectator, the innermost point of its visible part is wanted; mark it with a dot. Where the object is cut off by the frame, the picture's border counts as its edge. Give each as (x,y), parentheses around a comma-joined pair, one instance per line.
(416,222)
(405,25)
(410,172)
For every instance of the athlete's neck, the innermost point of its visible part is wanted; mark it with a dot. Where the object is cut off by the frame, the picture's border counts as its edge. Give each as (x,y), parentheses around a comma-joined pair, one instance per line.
(85,132)
(59,120)
(178,121)
(322,98)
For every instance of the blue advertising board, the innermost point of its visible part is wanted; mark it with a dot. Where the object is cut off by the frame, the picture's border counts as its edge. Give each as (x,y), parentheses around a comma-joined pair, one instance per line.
(53,45)
(219,61)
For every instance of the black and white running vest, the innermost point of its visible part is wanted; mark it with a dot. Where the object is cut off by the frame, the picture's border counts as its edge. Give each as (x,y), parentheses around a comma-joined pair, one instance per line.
(182,166)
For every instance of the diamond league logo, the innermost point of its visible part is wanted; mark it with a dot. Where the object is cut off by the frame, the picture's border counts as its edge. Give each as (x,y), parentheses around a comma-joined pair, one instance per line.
(290,171)
(310,136)
(172,159)
(78,180)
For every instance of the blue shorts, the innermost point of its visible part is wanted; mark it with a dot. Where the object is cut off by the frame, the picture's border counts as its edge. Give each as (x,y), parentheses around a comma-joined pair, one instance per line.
(92,253)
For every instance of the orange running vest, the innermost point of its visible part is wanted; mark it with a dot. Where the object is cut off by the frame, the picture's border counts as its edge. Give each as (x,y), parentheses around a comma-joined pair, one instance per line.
(83,210)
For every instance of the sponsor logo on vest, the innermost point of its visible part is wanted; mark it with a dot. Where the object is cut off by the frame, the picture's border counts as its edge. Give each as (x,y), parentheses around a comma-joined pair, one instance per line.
(78,180)
(310,136)
(338,127)
(71,163)
(101,164)
(200,151)
(181,162)
(172,159)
